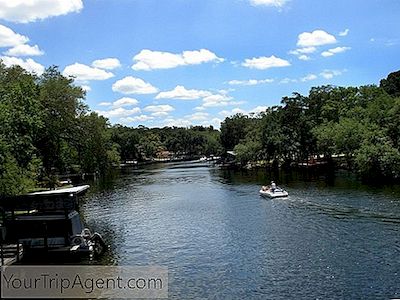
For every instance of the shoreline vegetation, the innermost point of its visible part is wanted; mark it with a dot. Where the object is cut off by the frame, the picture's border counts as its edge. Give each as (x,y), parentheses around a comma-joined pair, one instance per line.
(47,130)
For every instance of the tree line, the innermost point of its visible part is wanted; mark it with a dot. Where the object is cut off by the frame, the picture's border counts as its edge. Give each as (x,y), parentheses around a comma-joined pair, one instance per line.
(360,123)
(47,129)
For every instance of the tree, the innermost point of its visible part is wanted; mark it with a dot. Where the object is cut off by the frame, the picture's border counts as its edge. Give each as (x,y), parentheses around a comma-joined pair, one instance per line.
(392,84)
(20,123)
(97,151)
(62,105)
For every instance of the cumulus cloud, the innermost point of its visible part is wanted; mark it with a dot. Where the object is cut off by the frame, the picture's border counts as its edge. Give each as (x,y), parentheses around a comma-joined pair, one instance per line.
(24,50)
(303,53)
(263,62)
(250,81)
(133,85)
(8,38)
(140,118)
(22,11)
(309,77)
(29,64)
(344,32)
(107,63)
(315,38)
(86,88)
(288,80)
(125,101)
(171,122)
(259,109)
(159,110)
(85,73)
(181,93)
(329,74)
(334,51)
(198,116)
(275,3)
(234,111)
(119,112)
(150,60)
(218,100)
(105,103)
(306,50)
(304,57)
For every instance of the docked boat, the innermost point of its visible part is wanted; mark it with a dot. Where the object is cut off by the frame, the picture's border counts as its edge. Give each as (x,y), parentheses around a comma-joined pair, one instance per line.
(275,193)
(49,222)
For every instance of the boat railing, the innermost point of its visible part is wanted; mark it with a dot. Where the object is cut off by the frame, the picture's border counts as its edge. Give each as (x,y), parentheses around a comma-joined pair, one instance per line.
(10,253)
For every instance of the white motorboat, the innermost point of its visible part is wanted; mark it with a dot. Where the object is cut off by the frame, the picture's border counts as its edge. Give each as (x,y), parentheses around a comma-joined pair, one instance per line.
(276,193)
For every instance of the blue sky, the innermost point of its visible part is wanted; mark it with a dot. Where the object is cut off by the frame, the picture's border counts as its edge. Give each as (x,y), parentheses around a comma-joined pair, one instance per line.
(193,62)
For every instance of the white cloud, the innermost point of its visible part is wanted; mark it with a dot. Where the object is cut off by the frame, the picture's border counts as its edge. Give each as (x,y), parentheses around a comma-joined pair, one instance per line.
(309,77)
(250,81)
(24,50)
(306,50)
(171,122)
(315,38)
(150,60)
(334,51)
(119,112)
(234,111)
(198,116)
(8,38)
(304,57)
(276,3)
(159,109)
(86,88)
(259,109)
(197,57)
(29,64)
(181,93)
(329,74)
(85,73)
(23,11)
(107,63)
(133,85)
(141,118)
(159,114)
(301,53)
(344,32)
(288,80)
(125,101)
(263,63)
(218,100)
(105,103)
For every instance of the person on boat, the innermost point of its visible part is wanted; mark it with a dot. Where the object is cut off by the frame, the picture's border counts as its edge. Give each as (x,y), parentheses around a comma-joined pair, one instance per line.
(273,186)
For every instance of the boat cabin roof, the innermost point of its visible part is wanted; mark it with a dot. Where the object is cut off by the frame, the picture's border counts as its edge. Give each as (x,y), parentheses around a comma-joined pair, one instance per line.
(54,200)
(73,190)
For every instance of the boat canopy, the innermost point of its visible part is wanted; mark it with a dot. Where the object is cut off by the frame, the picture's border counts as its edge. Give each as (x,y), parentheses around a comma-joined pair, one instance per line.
(64,200)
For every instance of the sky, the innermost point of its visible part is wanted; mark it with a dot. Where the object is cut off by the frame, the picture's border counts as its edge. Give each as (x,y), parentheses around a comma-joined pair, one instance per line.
(193,62)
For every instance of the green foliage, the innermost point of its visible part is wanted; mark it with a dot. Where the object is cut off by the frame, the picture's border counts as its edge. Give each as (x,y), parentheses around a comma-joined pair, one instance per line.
(46,129)
(378,158)
(21,121)
(360,123)
(233,129)
(392,84)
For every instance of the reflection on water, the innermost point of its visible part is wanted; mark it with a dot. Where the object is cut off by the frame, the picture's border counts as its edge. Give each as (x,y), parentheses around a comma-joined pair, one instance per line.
(331,238)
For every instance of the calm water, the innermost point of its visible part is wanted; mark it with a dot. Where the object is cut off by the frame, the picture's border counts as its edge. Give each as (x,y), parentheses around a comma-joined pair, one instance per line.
(333,238)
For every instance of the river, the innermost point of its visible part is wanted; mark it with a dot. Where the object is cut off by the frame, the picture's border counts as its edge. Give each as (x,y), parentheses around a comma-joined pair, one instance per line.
(332,238)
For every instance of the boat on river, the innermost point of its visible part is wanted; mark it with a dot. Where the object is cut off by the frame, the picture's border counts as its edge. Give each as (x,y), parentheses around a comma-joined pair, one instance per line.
(48,222)
(273,193)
